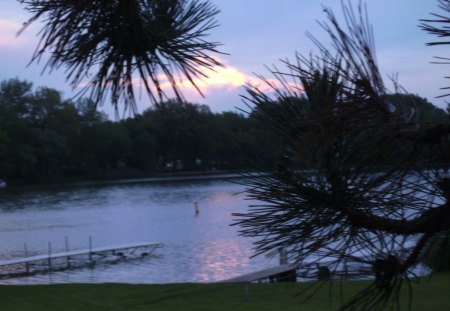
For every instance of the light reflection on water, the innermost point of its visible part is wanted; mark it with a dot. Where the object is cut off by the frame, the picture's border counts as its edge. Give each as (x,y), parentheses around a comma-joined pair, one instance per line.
(201,248)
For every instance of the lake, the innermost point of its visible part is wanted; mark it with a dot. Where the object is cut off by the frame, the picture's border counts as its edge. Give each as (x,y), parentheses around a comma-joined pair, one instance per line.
(197,248)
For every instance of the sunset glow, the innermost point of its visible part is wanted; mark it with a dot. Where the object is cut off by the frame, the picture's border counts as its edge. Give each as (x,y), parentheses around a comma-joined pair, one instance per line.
(228,77)
(224,76)
(251,43)
(217,77)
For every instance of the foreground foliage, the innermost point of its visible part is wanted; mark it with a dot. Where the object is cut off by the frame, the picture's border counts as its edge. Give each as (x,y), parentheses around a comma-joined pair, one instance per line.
(107,45)
(364,181)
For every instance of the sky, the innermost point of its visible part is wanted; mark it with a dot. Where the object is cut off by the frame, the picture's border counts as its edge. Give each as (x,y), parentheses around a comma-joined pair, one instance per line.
(256,34)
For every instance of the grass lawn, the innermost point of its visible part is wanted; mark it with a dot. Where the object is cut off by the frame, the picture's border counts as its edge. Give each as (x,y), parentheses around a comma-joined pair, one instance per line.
(430,295)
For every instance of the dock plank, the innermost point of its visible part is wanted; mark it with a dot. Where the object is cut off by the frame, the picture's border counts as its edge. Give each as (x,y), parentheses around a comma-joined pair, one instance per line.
(79,252)
(262,274)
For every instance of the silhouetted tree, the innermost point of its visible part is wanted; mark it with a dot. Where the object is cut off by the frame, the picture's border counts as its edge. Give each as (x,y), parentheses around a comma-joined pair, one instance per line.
(355,187)
(46,138)
(17,94)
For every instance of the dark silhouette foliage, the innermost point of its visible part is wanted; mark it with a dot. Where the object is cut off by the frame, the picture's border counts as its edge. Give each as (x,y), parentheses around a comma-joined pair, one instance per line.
(46,138)
(105,44)
(363,187)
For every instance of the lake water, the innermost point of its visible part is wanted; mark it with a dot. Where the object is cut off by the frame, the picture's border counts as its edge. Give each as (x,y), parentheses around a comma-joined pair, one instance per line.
(202,248)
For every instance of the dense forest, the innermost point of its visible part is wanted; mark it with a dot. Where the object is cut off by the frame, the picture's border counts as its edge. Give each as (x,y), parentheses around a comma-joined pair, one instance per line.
(46,138)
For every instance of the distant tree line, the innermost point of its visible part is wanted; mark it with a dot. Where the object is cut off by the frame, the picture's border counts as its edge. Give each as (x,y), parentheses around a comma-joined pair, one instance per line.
(45,137)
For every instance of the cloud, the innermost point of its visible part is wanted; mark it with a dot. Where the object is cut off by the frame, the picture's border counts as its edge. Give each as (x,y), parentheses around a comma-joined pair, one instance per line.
(221,87)
(220,76)
(228,79)
(227,76)
(224,87)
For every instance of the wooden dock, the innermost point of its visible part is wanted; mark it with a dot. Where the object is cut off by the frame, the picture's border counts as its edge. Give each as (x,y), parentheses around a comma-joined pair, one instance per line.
(281,273)
(75,258)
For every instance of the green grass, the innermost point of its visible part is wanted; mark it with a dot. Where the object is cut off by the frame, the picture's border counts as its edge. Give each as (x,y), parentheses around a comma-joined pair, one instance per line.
(430,295)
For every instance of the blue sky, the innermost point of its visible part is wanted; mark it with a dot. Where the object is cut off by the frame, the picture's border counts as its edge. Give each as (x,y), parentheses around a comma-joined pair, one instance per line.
(261,32)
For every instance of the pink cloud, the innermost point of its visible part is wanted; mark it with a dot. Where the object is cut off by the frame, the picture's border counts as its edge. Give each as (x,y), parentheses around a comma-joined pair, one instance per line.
(221,87)
(230,78)
(225,78)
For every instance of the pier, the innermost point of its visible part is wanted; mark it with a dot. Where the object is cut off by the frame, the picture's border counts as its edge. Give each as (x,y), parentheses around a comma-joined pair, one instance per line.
(282,273)
(75,259)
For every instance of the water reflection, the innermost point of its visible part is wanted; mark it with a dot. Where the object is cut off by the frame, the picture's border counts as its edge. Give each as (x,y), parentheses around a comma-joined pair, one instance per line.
(220,260)
(197,249)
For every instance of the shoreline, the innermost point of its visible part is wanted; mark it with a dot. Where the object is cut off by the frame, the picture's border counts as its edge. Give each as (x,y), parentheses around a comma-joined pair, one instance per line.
(158,177)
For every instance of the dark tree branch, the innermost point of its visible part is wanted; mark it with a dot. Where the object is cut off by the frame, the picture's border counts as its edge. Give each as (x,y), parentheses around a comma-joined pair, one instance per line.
(355,185)
(103,44)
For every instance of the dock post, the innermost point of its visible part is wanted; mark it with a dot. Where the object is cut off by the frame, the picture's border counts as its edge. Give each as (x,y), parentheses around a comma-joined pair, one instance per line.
(27,267)
(49,255)
(66,240)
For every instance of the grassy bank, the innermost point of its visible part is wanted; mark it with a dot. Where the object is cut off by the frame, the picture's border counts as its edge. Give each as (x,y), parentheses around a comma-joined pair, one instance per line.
(430,295)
